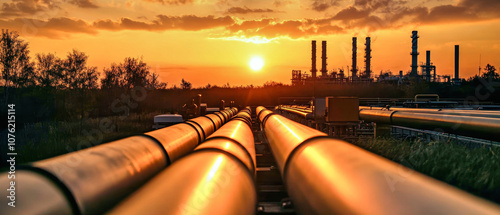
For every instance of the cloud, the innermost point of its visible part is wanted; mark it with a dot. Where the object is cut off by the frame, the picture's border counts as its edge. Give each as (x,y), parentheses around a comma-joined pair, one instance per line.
(322,5)
(84,3)
(16,8)
(172,2)
(246,10)
(270,28)
(351,13)
(56,28)
(163,22)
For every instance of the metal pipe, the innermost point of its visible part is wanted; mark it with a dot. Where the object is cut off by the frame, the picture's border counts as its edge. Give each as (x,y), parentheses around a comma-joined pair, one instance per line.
(217,178)
(96,178)
(477,113)
(329,176)
(301,113)
(480,127)
(217,121)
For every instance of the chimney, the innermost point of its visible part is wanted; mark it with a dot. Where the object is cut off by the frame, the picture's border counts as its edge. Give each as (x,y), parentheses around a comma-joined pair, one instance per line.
(368,57)
(313,59)
(457,64)
(324,72)
(414,53)
(428,65)
(354,68)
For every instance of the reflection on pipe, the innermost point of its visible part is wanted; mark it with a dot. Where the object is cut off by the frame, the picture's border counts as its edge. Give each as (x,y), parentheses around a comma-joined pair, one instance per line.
(480,127)
(92,180)
(328,176)
(217,178)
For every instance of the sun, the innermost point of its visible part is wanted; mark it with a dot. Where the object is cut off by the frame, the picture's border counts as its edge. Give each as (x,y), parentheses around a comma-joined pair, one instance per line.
(256,63)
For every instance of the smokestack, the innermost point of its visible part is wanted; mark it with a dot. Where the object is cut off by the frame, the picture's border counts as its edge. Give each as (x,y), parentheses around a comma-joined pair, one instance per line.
(354,68)
(323,59)
(414,53)
(457,78)
(313,59)
(428,65)
(368,57)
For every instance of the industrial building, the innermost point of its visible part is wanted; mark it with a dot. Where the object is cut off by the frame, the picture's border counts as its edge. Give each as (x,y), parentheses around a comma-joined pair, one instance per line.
(340,76)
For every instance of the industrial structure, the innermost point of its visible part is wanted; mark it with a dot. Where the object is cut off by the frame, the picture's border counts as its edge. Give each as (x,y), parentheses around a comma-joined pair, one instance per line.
(339,76)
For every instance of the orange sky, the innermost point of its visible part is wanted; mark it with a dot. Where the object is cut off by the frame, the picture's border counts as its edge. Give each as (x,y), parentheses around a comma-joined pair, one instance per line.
(212,41)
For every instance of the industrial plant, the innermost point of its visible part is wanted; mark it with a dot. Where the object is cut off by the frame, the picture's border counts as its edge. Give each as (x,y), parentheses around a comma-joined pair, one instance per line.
(340,76)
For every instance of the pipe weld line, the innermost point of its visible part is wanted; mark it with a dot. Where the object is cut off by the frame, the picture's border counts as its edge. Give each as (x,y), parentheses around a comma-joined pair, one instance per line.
(213,123)
(294,150)
(167,157)
(240,145)
(199,135)
(201,127)
(70,197)
(390,116)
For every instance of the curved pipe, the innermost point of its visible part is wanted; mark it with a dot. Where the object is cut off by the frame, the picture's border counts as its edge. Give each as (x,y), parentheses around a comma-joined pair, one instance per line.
(96,178)
(217,178)
(480,127)
(328,176)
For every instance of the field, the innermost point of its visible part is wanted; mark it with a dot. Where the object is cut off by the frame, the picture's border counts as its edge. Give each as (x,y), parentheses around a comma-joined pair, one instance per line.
(36,141)
(476,170)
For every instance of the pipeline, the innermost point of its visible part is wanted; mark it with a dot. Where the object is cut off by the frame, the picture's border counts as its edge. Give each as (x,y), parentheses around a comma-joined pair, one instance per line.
(92,180)
(480,127)
(217,178)
(476,113)
(304,113)
(329,176)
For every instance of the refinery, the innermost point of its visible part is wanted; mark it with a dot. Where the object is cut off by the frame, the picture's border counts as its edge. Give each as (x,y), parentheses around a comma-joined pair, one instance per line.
(356,75)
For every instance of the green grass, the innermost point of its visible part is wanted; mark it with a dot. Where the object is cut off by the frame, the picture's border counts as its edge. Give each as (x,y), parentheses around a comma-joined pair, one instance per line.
(42,140)
(476,170)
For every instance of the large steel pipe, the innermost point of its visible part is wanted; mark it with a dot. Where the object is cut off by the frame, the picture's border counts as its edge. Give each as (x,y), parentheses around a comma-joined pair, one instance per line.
(301,113)
(328,176)
(476,113)
(94,179)
(480,127)
(217,178)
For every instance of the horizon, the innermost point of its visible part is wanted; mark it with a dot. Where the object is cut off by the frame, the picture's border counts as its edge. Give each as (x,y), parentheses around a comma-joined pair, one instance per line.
(184,39)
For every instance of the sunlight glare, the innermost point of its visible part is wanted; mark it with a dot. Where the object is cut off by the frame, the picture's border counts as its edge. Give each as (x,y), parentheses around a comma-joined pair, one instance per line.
(256,63)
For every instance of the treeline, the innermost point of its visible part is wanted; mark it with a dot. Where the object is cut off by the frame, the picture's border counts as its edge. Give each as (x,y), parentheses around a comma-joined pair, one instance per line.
(72,72)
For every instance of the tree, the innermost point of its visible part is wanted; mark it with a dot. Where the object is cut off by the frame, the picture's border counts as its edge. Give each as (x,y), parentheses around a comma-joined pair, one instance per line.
(155,83)
(113,77)
(490,72)
(185,85)
(17,70)
(76,74)
(49,70)
(135,72)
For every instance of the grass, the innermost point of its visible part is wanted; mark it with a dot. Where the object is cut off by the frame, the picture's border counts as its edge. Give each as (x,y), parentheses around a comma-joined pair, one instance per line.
(476,170)
(36,141)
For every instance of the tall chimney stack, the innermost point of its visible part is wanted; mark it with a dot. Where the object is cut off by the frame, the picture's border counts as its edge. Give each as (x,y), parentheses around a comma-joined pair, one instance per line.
(354,68)
(324,71)
(313,59)
(414,53)
(368,57)
(457,64)
(428,65)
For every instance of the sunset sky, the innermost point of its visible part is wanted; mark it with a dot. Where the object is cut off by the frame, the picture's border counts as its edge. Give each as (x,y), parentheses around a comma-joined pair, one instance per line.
(212,41)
